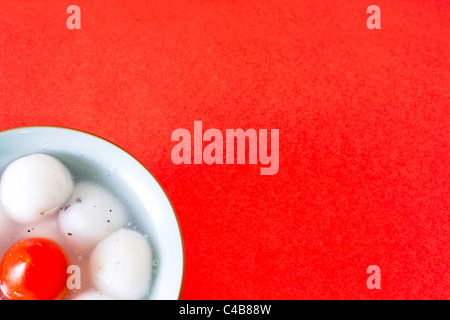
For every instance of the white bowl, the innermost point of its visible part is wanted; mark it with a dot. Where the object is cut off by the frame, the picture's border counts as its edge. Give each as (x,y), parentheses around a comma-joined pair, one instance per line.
(90,156)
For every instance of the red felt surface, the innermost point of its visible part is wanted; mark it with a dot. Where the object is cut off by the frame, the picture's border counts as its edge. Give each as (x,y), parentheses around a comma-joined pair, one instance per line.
(363,118)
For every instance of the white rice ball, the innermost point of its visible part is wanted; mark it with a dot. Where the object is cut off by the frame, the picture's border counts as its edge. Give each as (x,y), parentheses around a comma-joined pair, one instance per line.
(91,215)
(34,185)
(120,265)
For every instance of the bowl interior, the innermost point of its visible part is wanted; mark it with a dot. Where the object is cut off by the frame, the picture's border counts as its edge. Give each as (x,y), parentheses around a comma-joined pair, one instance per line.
(93,158)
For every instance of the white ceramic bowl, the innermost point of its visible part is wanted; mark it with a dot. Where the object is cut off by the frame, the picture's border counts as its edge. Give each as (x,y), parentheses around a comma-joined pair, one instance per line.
(90,156)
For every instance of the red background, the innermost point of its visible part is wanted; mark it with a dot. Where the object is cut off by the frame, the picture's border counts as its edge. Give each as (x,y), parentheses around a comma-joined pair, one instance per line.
(363,118)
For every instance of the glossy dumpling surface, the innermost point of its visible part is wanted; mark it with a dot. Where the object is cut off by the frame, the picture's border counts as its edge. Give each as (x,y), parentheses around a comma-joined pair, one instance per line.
(92,213)
(33,186)
(120,265)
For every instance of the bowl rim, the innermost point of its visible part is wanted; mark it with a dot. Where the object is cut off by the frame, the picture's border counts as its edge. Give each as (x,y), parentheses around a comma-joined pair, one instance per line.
(138,161)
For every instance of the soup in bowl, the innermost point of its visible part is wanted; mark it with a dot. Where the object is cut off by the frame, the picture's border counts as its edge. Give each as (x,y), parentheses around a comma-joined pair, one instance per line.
(80,218)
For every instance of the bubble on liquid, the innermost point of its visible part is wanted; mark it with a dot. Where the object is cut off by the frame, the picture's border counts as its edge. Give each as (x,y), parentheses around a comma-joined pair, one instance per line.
(155,262)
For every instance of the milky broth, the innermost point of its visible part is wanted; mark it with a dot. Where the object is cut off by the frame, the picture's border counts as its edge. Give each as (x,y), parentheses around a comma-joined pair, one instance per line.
(47,226)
